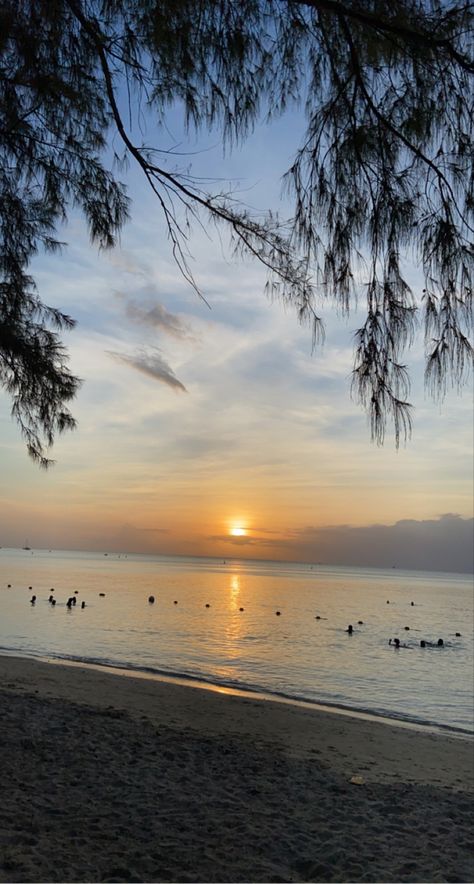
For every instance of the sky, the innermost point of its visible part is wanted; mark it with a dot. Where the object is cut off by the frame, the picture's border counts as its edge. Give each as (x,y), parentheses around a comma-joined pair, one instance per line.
(213,429)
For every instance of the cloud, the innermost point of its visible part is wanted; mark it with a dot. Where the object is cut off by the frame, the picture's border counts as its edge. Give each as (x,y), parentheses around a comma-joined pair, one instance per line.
(243,540)
(134,528)
(122,259)
(151,364)
(158,317)
(442,544)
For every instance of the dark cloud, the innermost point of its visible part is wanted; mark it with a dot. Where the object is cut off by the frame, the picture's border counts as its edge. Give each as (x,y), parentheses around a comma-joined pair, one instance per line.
(157,317)
(442,544)
(153,365)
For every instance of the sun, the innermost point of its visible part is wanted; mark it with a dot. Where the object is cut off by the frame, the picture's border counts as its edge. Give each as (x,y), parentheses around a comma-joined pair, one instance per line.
(237,531)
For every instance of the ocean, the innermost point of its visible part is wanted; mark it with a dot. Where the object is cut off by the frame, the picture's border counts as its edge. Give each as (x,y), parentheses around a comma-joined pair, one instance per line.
(215,622)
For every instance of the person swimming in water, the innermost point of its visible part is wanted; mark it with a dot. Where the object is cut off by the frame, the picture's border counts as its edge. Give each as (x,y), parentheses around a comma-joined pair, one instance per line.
(396,643)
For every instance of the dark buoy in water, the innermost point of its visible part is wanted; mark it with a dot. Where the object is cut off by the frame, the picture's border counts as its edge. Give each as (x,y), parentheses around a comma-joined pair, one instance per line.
(9,586)
(317,617)
(457,634)
(76,592)
(102,593)
(207,605)
(278,613)
(151,599)
(350,629)
(388,602)
(412,604)
(241,609)
(175,602)
(407,628)
(360,622)
(30,587)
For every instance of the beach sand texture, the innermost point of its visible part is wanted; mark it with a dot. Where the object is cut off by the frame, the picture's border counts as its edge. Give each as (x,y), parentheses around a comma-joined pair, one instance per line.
(110,778)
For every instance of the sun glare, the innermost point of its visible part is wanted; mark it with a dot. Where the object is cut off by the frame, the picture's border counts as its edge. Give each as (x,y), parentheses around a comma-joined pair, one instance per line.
(237,531)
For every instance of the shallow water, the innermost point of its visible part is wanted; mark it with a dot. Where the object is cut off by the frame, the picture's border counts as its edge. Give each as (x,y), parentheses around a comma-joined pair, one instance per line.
(293,654)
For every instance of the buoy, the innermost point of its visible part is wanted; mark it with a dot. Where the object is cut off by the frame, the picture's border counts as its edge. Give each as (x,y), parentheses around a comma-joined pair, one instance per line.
(278,613)
(458,634)
(175,602)
(241,609)
(317,617)
(360,622)
(207,605)
(102,593)
(151,599)
(407,628)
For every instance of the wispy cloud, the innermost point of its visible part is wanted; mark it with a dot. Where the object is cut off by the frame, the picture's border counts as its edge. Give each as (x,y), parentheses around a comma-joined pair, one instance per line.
(152,364)
(122,259)
(138,530)
(157,317)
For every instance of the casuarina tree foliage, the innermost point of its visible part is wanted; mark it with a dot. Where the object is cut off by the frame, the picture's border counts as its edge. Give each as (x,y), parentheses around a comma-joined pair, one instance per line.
(384,170)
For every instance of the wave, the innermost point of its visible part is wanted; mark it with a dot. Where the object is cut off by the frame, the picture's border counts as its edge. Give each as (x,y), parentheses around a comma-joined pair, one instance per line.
(238,687)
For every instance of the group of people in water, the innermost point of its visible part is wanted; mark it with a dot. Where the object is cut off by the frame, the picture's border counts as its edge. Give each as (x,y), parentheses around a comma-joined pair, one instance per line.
(71,602)
(396,643)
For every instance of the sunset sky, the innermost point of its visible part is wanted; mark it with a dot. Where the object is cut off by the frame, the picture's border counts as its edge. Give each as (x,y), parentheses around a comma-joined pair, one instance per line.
(216,431)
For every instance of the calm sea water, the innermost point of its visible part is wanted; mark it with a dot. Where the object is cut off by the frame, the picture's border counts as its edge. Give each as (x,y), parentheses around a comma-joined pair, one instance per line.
(294,654)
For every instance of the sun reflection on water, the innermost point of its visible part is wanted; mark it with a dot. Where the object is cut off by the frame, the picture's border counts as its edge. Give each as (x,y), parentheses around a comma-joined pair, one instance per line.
(234,591)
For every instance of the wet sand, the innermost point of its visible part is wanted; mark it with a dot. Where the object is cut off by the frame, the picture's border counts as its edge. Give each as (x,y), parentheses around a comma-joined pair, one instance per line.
(107,778)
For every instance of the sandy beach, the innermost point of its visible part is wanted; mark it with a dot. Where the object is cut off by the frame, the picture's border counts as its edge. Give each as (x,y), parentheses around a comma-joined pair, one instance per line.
(111,778)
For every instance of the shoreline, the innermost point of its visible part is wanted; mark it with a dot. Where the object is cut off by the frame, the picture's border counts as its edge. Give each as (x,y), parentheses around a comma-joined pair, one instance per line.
(106,778)
(258,695)
(263,696)
(194,706)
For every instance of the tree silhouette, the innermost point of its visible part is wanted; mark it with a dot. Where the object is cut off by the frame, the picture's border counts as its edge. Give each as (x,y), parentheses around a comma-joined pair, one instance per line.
(384,169)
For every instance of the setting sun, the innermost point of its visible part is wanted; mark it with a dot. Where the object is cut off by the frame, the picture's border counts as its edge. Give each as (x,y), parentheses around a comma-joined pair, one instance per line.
(237,531)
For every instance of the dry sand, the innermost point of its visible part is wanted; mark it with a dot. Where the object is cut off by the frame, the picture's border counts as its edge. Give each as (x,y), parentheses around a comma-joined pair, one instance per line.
(110,778)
